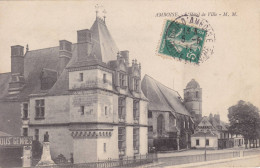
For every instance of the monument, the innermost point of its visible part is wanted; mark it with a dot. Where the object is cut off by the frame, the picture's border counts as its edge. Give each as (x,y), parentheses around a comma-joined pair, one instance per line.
(46,155)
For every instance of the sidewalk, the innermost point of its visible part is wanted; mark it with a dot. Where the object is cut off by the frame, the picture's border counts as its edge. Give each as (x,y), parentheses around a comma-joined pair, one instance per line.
(198,152)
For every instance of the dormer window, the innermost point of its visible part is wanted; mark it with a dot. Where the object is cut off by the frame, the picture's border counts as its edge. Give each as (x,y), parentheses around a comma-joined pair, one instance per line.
(81,77)
(122,80)
(136,84)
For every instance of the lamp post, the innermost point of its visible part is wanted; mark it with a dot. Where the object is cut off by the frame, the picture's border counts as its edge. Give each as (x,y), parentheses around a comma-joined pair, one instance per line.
(205,155)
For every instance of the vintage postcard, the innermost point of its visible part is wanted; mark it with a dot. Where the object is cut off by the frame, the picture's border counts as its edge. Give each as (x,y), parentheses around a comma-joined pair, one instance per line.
(130,83)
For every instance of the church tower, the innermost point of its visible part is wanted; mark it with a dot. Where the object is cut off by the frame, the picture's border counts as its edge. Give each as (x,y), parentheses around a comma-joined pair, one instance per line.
(193,99)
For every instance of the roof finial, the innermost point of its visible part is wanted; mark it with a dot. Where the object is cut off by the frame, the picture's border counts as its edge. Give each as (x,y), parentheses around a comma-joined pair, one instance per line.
(27,47)
(104,12)
(97,8)
(118,55)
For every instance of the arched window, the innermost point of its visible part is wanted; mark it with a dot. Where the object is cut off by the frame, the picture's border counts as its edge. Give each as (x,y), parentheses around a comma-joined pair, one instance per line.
(160,124)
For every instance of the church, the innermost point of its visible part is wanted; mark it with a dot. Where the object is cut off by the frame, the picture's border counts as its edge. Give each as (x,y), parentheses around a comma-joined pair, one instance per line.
(86,95)
(171,119)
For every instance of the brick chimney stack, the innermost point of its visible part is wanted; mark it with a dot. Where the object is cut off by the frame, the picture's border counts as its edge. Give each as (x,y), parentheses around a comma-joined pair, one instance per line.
(17,69)
(17,59)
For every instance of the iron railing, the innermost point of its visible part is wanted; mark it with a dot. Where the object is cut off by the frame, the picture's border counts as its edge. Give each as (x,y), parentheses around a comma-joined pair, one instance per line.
(137,160)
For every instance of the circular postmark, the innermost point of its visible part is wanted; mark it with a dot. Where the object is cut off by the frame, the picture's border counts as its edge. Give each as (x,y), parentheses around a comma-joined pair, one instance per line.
(189,38)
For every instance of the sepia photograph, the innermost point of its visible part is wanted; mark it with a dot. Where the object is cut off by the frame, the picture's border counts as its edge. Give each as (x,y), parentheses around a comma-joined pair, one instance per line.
(120,83)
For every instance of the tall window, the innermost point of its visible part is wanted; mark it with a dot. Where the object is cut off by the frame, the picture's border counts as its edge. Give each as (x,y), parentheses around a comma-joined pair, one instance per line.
(136,138)
(105,110)
(25,131)
(197,94)
(36,134)
(150,128)
(136,109)
(82,109)
(197,142)
(121,108)
(122,80)
(150,114)
(25,111)
(160,124)
(136,84)
(207,142)
(121,138)
(105,147)
(81,77)
(39,108)
(104,78)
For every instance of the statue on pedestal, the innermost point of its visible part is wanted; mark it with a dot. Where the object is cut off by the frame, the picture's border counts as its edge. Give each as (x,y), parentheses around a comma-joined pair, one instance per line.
(46,137)
(46,155)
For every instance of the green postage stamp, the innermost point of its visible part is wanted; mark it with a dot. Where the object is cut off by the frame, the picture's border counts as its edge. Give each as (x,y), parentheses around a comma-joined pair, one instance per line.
(182,41)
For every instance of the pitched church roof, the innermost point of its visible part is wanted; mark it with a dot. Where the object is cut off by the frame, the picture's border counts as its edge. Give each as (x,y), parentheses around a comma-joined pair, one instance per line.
(162,98)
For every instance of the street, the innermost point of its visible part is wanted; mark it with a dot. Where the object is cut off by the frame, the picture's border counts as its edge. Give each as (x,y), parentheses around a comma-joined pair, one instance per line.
(248,162)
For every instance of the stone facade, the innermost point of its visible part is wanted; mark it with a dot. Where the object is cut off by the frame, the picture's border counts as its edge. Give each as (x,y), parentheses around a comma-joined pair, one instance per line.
(95,109)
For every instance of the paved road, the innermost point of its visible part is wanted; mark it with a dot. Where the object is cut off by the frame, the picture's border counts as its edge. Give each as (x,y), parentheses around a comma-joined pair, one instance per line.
(179,158)
(249,162)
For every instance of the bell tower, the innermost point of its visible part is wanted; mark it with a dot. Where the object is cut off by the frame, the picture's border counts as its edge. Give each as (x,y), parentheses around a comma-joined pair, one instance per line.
(193,99)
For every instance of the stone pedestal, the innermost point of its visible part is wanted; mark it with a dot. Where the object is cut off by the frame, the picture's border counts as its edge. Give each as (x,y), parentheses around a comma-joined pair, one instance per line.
(46,156)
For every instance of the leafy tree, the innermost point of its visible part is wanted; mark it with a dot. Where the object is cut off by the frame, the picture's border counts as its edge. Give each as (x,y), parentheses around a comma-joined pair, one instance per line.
(244,119)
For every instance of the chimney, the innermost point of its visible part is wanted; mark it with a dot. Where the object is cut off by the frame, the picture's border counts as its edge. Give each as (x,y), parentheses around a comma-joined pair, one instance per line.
(125,55)
(17,69)
(17,59)
(84,44)
(65,53)
(217,117)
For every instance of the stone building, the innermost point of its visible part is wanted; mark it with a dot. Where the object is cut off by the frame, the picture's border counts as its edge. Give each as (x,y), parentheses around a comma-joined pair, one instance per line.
(87,95)
(170,123)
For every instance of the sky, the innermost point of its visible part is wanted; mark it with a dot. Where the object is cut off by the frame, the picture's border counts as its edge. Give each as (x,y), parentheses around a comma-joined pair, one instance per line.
(229,75)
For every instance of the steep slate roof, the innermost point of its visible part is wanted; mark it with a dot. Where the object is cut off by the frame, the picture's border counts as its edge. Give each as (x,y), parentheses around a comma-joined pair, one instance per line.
(205,122)
(104,48)
(162,98)
(5,78)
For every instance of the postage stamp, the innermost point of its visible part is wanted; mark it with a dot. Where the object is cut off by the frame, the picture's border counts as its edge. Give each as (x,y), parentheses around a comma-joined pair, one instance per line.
(187,38)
